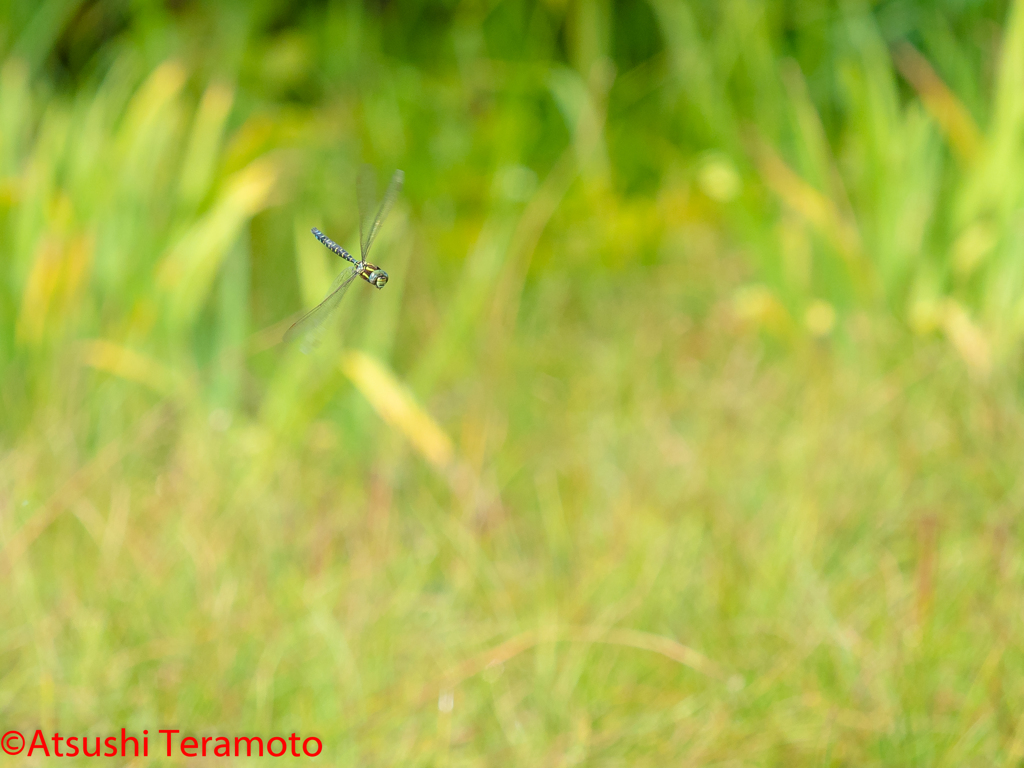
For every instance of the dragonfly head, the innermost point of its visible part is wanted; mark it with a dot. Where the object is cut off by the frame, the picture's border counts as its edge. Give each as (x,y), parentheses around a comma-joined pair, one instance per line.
(379,278)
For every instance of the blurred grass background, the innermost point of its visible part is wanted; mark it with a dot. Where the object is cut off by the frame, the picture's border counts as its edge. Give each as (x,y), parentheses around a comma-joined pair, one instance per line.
(687,430)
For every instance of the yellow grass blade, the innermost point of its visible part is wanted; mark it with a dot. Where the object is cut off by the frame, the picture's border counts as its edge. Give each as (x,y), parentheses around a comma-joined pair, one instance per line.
(204,145)
(947,110)
(396,405)
(128,364)
(55,281)
(159,90)
(968,339)
(188,270)
(817,209)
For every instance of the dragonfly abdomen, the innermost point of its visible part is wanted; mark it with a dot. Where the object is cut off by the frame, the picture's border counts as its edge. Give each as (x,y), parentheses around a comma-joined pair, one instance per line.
(333,246)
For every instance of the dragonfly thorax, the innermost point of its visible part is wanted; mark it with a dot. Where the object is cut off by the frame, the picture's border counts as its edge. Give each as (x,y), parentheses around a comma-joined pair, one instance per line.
(374,275)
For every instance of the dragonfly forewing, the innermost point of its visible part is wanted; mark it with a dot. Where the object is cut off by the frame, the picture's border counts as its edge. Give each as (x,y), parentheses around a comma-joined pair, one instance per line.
(365,193)
(310,327)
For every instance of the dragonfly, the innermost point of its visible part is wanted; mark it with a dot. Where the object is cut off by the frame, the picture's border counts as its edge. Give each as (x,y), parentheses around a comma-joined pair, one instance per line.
(310,327)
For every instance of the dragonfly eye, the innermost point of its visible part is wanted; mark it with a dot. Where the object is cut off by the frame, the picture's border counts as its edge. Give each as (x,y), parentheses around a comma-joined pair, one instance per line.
(379,278)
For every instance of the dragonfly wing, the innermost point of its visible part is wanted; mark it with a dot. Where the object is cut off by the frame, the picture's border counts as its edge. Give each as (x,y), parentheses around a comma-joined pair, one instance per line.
(310,327)
(368,228)
(366,196)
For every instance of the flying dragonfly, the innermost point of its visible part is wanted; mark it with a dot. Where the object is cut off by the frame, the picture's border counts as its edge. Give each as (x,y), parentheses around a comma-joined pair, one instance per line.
(310,327)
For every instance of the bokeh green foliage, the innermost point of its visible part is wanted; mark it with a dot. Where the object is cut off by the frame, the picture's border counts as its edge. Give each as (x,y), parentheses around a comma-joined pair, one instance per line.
(719,303)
